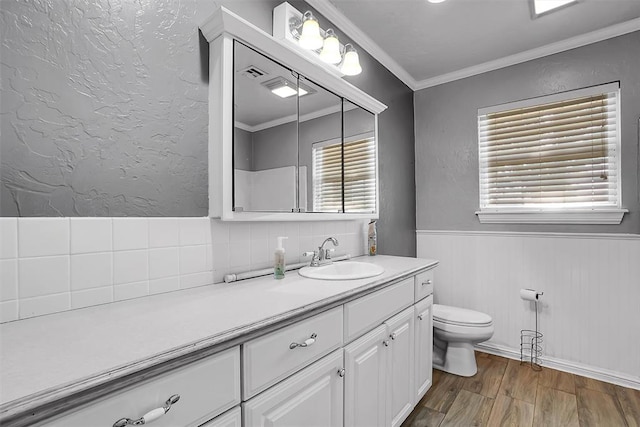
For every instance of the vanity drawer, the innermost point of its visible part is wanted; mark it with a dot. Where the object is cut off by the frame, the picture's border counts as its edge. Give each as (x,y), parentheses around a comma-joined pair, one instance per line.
(365,313)
(207,388)
(424,284)
(272,357)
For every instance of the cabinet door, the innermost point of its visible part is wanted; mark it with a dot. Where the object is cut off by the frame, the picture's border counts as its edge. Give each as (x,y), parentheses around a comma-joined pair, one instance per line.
(231,418)
(400,367)
(423,346)
(312,397)
(365,379)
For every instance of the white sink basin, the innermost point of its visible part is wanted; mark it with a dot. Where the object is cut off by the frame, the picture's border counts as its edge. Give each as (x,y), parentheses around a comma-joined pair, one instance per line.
(344,270)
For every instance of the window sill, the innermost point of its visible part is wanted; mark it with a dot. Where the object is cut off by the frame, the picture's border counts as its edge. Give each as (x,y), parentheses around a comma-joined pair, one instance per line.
(600,216)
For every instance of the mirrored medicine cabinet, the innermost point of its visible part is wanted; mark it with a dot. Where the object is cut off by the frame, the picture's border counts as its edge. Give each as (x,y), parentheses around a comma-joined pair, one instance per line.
(288,139)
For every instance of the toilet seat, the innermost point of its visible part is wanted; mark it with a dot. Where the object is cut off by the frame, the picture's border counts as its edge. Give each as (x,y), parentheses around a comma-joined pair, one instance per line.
(456,316)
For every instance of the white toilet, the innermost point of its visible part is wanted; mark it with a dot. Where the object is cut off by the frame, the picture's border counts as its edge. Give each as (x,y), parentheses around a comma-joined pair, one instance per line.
(456,330)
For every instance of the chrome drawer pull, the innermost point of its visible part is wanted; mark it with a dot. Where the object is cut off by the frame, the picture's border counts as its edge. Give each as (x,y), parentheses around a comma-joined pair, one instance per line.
(420,316)
(428,282)
(309,341)
(341,373)
(386,343)
(149,416)
(392,336)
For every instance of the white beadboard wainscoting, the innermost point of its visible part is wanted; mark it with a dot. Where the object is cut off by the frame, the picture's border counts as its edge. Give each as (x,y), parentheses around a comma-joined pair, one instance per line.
(48,265)
(589,313)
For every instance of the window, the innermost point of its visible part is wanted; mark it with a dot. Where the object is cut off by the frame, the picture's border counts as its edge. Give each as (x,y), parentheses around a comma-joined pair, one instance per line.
(553,159)
(359,175)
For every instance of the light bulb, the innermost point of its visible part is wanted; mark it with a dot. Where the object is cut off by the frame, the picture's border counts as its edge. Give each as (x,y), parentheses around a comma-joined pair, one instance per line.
(310,37)
(331,48)
(351,63)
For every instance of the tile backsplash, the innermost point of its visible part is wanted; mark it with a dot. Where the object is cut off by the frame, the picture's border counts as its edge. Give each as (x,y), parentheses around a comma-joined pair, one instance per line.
(49,265)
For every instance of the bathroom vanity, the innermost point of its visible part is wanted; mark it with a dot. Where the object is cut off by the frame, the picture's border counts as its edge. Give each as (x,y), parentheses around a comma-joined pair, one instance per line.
(256,352)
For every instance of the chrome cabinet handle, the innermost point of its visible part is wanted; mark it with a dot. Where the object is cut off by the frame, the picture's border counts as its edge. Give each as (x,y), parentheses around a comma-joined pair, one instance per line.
(428,282)
(149,416)
(341,373)
(392,336)
(386,343)
(420,317)
(309,341)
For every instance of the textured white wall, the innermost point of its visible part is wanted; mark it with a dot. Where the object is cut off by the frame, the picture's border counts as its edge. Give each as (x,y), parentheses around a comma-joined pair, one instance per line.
(589,313)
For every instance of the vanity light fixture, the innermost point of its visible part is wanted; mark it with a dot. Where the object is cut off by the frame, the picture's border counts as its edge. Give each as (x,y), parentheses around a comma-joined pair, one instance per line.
(303,31)
(285,89)
(310,37)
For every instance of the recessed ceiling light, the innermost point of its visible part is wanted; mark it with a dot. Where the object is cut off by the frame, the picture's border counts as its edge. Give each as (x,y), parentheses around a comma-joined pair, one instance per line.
(543,6)
(435,1)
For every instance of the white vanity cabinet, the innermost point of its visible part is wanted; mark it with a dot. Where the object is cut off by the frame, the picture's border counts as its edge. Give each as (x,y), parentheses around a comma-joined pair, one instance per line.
(313,396)
(365,379)
(400,367)
(206,388)
(231,418)
(423,342)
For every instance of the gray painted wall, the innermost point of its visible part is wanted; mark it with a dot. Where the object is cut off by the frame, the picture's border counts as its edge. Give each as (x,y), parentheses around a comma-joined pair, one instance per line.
(446,131)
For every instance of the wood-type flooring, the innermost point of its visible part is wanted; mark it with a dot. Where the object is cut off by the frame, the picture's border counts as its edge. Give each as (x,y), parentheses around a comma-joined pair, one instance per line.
(505,392)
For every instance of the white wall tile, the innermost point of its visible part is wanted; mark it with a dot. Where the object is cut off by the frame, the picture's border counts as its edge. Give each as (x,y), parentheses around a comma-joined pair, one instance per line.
(220,256)
(90,297)
(166,284)
(91,270)
(260,254)
(197,279)
(259,231)
(8,279)
(8,311)
(90,235)
(219,230)
(131,290)
(193,231)
(164,232)
(39,306)
(209,258)
(130,266)
(130,233)
(164,262)
(193,259)
(239,232)
(43,236)
(43,276)
(8,238)
(239,255)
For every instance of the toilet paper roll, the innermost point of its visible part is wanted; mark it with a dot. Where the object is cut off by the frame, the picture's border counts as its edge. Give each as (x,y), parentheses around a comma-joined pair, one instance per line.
(530,294)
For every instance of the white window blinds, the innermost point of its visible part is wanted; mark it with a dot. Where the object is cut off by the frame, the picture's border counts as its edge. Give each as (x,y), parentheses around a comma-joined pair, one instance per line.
(359,176)
(554,152)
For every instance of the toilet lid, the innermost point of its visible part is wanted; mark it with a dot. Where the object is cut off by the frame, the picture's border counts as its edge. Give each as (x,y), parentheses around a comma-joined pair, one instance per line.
(460,316)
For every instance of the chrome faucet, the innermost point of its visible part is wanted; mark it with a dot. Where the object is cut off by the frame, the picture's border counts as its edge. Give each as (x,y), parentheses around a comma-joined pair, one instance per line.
(322,255)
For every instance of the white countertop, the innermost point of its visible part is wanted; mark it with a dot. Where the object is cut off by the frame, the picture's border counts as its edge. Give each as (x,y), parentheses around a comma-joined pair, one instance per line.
(91,346)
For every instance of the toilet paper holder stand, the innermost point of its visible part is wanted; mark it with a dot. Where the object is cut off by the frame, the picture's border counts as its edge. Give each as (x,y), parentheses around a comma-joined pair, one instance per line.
(531,342)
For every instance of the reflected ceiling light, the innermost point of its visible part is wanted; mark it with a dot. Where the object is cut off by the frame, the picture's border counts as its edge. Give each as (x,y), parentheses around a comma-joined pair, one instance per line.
(310,37)
(285,89)
(543,6)
(435,1)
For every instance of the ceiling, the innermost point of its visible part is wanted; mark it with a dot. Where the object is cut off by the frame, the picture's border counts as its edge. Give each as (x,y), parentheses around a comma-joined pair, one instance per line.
(426,44)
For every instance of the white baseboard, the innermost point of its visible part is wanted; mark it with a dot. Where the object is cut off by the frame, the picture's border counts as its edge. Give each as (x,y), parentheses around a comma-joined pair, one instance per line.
(565,366)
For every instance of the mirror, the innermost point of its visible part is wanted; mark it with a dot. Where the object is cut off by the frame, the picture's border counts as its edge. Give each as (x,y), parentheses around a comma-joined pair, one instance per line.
(265,142)
(319,150)
(314,152)
(360,171)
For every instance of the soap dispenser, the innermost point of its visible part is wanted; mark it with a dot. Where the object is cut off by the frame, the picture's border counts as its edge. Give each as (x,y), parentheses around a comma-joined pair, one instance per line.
(279,264)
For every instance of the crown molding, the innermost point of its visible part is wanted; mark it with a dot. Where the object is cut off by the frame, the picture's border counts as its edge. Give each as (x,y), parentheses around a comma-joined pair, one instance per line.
(329,11)
(539,52)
